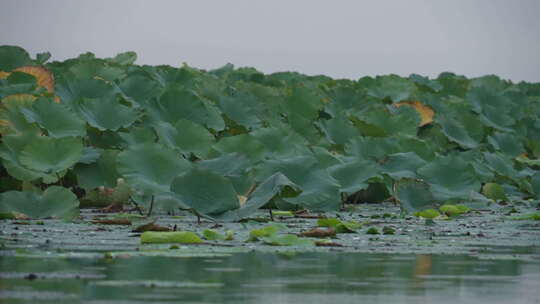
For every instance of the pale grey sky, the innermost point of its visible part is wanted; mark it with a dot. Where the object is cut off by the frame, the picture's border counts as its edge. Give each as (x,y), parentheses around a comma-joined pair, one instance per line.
(338,38)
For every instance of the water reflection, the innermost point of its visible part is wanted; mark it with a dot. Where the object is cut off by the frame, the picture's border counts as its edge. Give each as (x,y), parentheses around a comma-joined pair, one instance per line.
(272,278)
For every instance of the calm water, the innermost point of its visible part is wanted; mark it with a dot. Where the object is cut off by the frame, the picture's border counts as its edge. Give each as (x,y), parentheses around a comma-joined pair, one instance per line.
(273,278)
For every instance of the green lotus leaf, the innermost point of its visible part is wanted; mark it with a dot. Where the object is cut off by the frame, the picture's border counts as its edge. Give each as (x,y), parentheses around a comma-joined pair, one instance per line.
(458,129)
(125,58)
(106,114)
(507,143)
(353,176)
(12,119)
(494,191)
(344,98)
(376,148)
(424,148)
(42,58)
(320,191)
(105,139)
(90,155)
(276,185)
(54,202)
(392,86)
(453,84)
(186,136)
(422,81)
(304,127)
(501,165)
(413,195)
(138,135)
(18,83)
(103,172)
(10,151)
(303,102)
(230,164)
(325,157)
(150,167)
(72,90)
(491,82)
(338,130)
(450,177)
(494,109)
(279,140)
(246,144)
(402,122)
(56,118)
(215,119)
(139,88)
(235,166)
(243,109)
(205,191)
(89,69)
(12,57)
(403,165)
(175,104)
(51,155)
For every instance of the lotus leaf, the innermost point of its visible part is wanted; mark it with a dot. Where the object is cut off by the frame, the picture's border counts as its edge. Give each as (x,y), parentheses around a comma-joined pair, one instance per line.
(57,119)
(50,155)
(54,202)
(205,191)
(150,167)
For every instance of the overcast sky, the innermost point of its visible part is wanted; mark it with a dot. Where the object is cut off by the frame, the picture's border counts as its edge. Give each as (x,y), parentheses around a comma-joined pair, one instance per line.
(344,39)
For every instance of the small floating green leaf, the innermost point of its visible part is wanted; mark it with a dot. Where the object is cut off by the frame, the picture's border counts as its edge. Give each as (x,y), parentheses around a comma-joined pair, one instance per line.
(328,222)
(229,235)
(287,240)
(266,231)
(282,213)
(340,226)
(373,230)
(213,235)
(182,237)
(428,214)
(388,230)
(535,216)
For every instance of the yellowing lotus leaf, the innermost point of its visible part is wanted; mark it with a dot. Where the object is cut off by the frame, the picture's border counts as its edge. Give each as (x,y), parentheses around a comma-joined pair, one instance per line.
(425,112)
(3,74)
(43,76)
(19,98)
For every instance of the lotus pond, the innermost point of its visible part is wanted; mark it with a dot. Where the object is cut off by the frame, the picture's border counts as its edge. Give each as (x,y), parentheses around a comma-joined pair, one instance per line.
(484,257)
(126,183)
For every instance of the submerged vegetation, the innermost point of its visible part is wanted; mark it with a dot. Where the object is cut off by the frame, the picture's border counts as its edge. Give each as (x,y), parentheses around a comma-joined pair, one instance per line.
(226,142)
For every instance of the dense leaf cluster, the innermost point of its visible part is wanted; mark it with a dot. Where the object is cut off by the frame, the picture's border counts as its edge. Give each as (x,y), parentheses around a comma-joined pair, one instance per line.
(226,142)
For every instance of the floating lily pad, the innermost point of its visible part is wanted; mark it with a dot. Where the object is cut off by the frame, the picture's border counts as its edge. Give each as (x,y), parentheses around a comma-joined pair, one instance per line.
(181,237)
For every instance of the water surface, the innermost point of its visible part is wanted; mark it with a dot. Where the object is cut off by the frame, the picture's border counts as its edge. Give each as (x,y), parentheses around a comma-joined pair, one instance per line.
(259,277)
